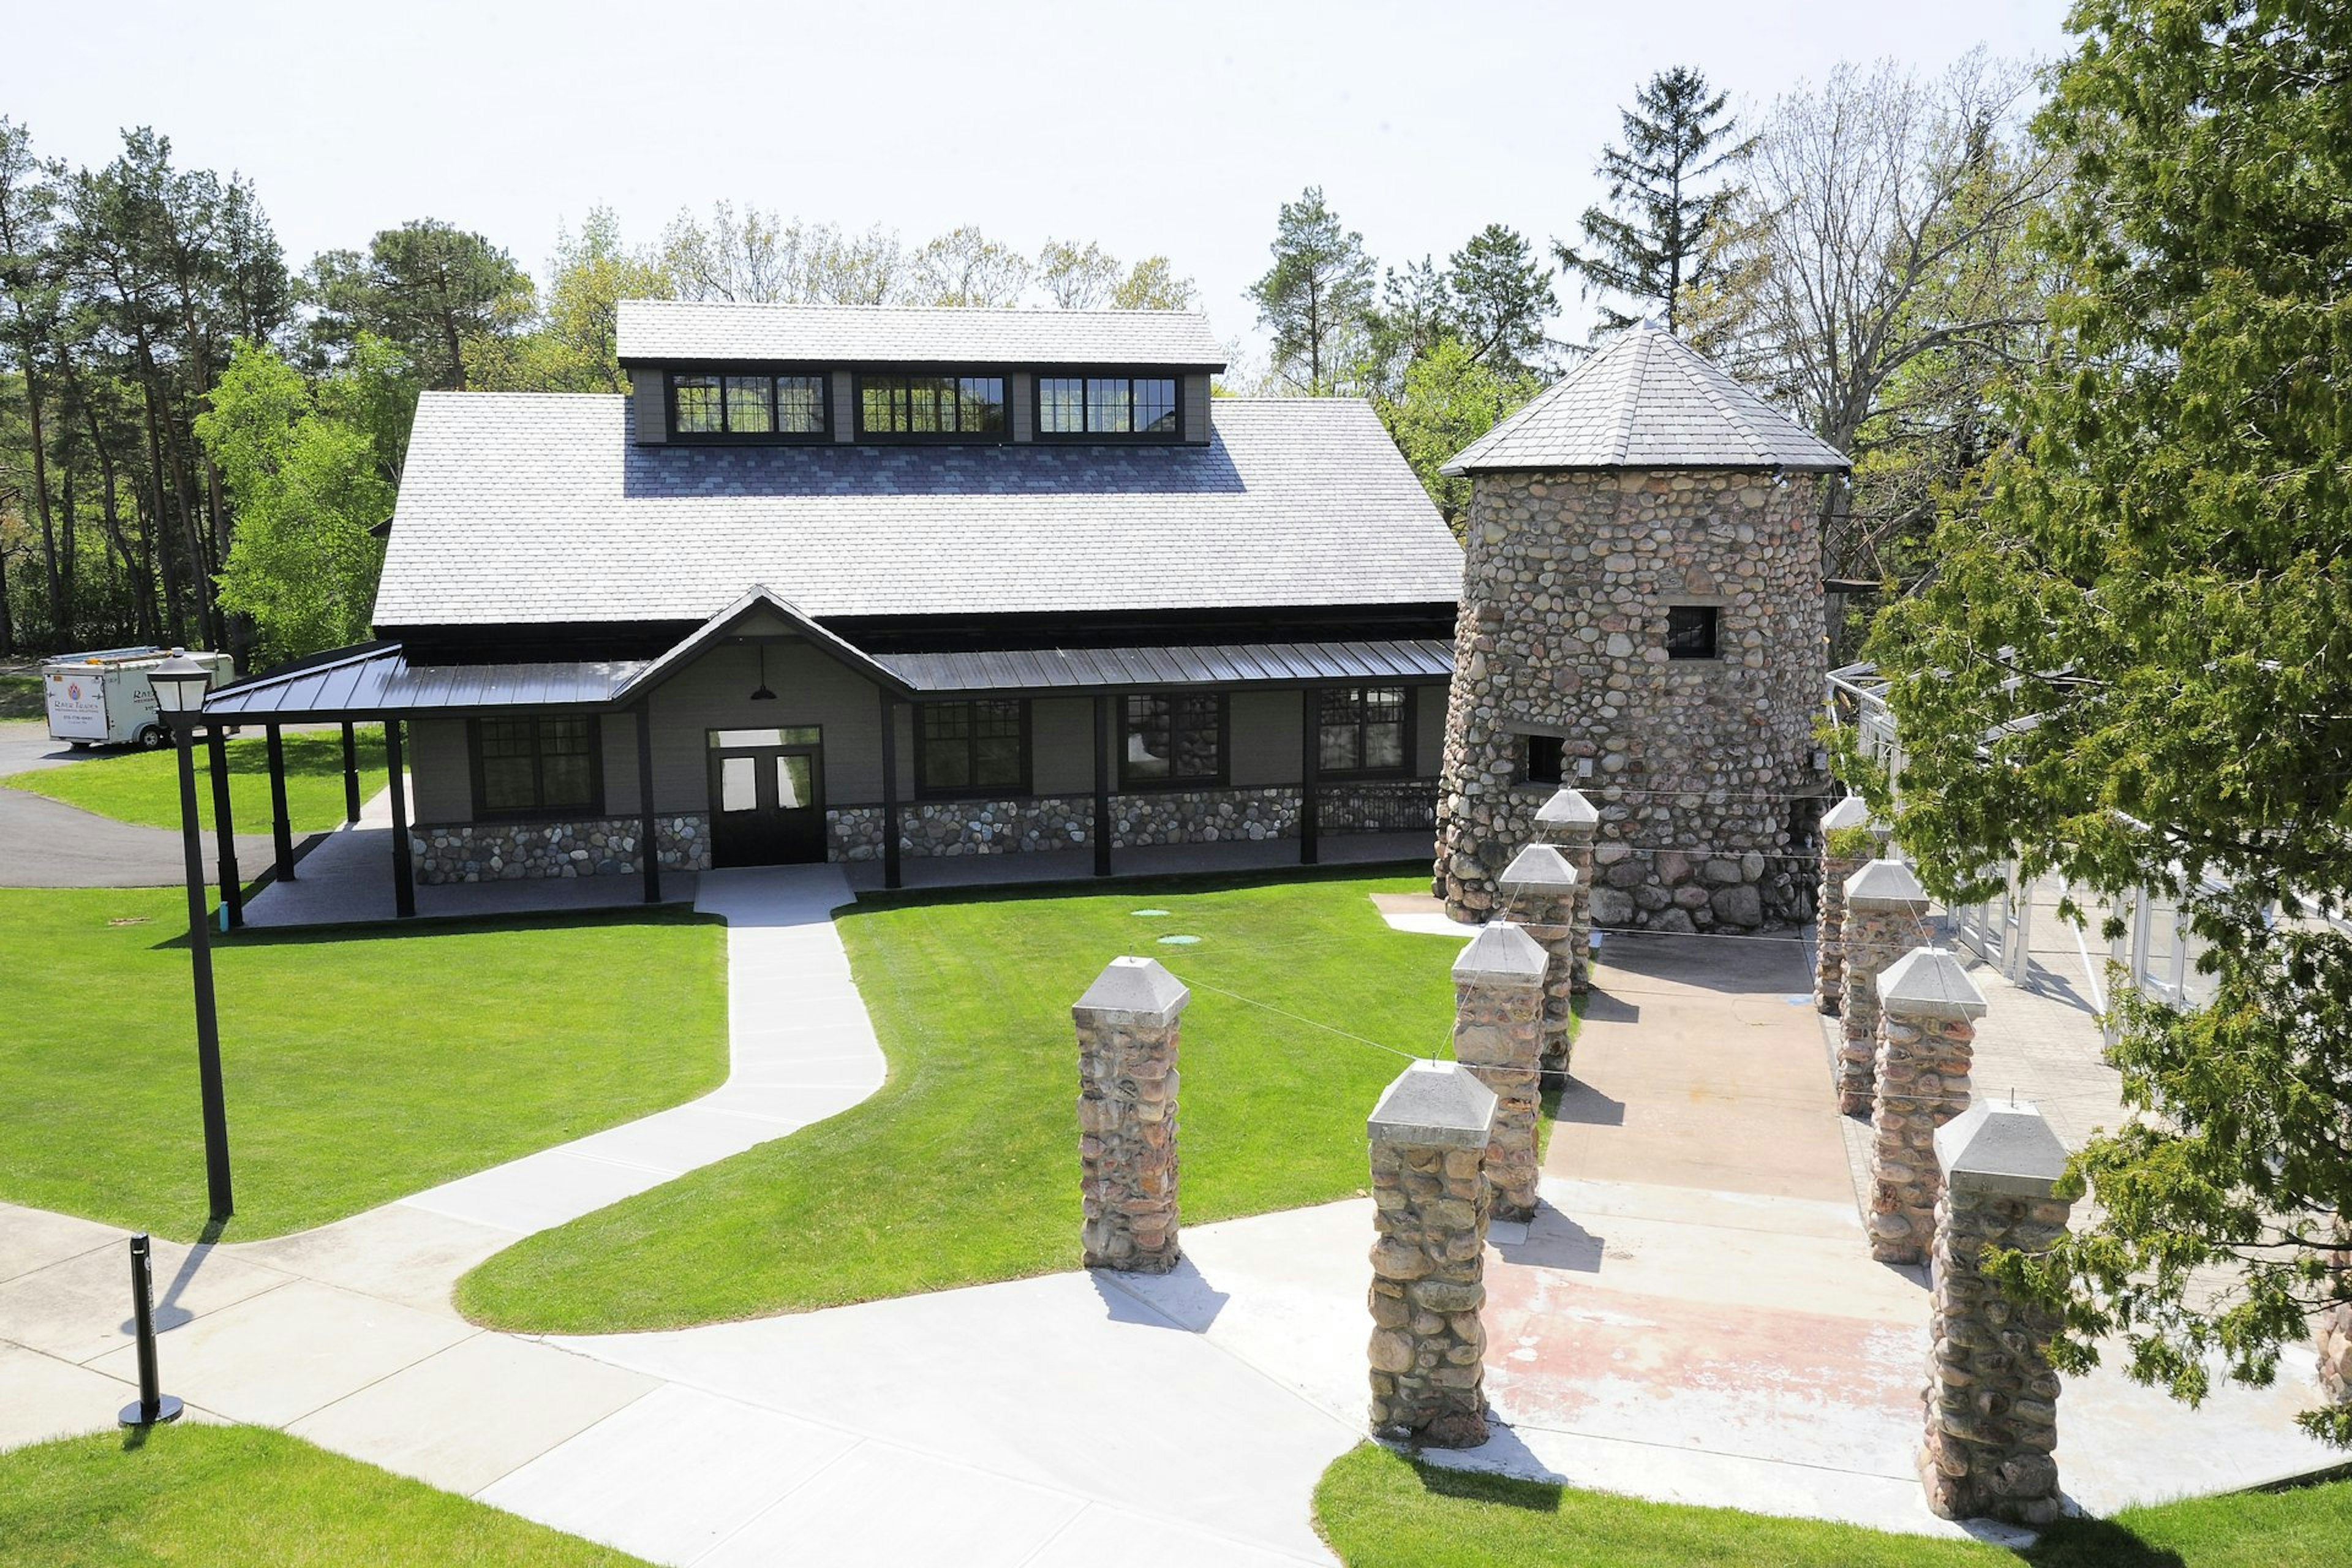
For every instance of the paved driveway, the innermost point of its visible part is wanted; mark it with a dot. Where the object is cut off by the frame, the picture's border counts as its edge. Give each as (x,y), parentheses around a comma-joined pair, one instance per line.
(45,843)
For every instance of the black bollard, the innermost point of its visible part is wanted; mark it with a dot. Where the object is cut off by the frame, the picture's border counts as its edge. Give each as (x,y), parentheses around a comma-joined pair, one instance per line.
(154,1405)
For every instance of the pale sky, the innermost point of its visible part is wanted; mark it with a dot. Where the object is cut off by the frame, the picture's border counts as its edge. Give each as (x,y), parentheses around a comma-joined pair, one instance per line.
(1177,128)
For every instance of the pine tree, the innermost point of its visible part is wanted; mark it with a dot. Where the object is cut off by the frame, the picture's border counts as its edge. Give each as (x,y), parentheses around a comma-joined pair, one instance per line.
(1317,295)
(1650,244)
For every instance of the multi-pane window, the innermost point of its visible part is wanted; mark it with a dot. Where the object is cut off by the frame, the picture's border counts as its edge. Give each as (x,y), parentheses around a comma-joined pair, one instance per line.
(966,748)
(1106,405)
(967,406)
(534,766)
(748,405)
(1361,728)
(1173,738)
(1690,631)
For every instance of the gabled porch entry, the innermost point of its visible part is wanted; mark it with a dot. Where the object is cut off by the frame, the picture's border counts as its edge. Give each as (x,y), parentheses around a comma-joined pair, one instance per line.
(767,796)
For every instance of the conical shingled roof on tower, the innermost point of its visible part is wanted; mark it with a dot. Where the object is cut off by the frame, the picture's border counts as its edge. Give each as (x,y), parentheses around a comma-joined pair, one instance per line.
(1648,401)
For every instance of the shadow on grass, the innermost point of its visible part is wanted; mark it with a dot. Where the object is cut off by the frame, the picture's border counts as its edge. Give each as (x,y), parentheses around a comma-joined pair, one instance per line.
(426,926)
(1139,888)
(2097,1544)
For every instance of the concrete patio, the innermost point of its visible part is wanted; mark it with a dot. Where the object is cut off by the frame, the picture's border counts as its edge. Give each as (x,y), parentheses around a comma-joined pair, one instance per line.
(1693,1316)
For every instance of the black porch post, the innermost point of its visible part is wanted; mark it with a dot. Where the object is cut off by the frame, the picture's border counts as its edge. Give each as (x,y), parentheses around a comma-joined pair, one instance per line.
(648,843)
(403,874)
(892,877)
(281,826)
(1309,767)
(200,954)
(1104,731)
(351,773)
(232,890)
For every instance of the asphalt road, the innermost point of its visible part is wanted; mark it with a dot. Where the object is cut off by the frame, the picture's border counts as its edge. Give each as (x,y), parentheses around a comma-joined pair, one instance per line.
(48,844)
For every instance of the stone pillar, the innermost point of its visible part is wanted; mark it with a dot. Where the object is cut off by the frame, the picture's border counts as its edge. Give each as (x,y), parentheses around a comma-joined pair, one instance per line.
(1128,1026)
(1498,1034)
(1851,839)
(1568,822)
(1884,906)
(1991,1402)
(1926,1036)
(1429,1133)
(1539,887)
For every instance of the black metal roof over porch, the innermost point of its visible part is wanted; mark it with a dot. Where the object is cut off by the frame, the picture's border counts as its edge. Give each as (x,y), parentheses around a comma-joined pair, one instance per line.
(378,681)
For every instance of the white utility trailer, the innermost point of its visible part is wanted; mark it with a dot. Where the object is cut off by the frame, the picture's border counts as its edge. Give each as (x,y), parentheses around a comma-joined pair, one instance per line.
(104,697)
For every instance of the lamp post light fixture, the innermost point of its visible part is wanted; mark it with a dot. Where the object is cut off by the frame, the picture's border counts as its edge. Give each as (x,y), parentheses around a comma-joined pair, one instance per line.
(180,683)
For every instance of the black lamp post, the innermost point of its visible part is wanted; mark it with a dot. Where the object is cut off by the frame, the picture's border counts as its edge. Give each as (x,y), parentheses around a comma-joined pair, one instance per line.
(180,682)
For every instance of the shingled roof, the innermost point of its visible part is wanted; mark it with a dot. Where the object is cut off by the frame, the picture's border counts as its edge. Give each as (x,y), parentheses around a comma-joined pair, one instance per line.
(540,508)
(681,331)
(1648,401)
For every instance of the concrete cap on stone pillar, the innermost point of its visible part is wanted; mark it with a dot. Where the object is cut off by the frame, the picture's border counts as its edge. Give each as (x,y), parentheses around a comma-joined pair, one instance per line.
(1568,808)
(1886,884)
(1539,868)
(2002,1149)
(1501,954)
(1434,1103)
(1930,982)
(1134,990)
(1852,812)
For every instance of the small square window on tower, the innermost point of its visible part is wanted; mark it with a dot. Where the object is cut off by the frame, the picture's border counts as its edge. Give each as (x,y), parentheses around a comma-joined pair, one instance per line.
(1542,760)
(1690,631)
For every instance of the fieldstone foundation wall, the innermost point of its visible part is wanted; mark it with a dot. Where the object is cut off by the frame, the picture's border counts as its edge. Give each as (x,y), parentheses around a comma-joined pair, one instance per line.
(1498,1034)
(1128,1026)
(1160,816)
(1884,908)
(513,851)
(1428,1348)
(1991,1401)
(1695,763)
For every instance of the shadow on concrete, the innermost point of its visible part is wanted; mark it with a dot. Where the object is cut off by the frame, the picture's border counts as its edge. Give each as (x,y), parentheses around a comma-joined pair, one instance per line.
(1766,964)
(1601,1007)
(169,1313)
(1583,1104)
(1182,1298)
(1501,1469)
(1555,1241)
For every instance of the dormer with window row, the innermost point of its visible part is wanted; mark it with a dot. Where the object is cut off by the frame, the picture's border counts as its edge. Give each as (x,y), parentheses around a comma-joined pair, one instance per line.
(788,374)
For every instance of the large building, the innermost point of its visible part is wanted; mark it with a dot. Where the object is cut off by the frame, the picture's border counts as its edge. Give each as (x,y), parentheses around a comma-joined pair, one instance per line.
(840,583)
(1641,617)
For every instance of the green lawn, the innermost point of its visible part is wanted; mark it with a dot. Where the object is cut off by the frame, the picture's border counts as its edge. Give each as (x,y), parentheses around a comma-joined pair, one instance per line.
(234,1496)
(1380,1509)
(964,1166)
(362,1063)
(21,698)
(144,786)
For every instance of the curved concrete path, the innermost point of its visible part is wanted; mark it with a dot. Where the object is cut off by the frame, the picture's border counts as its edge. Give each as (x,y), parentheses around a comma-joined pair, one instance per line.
(46,843)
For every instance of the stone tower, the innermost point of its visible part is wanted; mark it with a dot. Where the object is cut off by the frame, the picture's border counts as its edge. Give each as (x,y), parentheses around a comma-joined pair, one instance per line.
(1640,618)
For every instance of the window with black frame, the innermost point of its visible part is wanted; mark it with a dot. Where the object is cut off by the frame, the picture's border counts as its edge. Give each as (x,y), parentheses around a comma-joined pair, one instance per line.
(1172,738)
(972,748)
(1361,728)
(754,407)
(535,767)
(1136,407)
(1544,760)
(1691,631)
(962,406)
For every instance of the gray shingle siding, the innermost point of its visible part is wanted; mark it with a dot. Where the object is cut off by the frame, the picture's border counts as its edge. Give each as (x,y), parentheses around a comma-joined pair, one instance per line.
(1647,401)
(523,508)
(655,331)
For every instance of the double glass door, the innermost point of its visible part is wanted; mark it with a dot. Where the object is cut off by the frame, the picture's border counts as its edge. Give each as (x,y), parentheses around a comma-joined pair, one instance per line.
(767,796)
